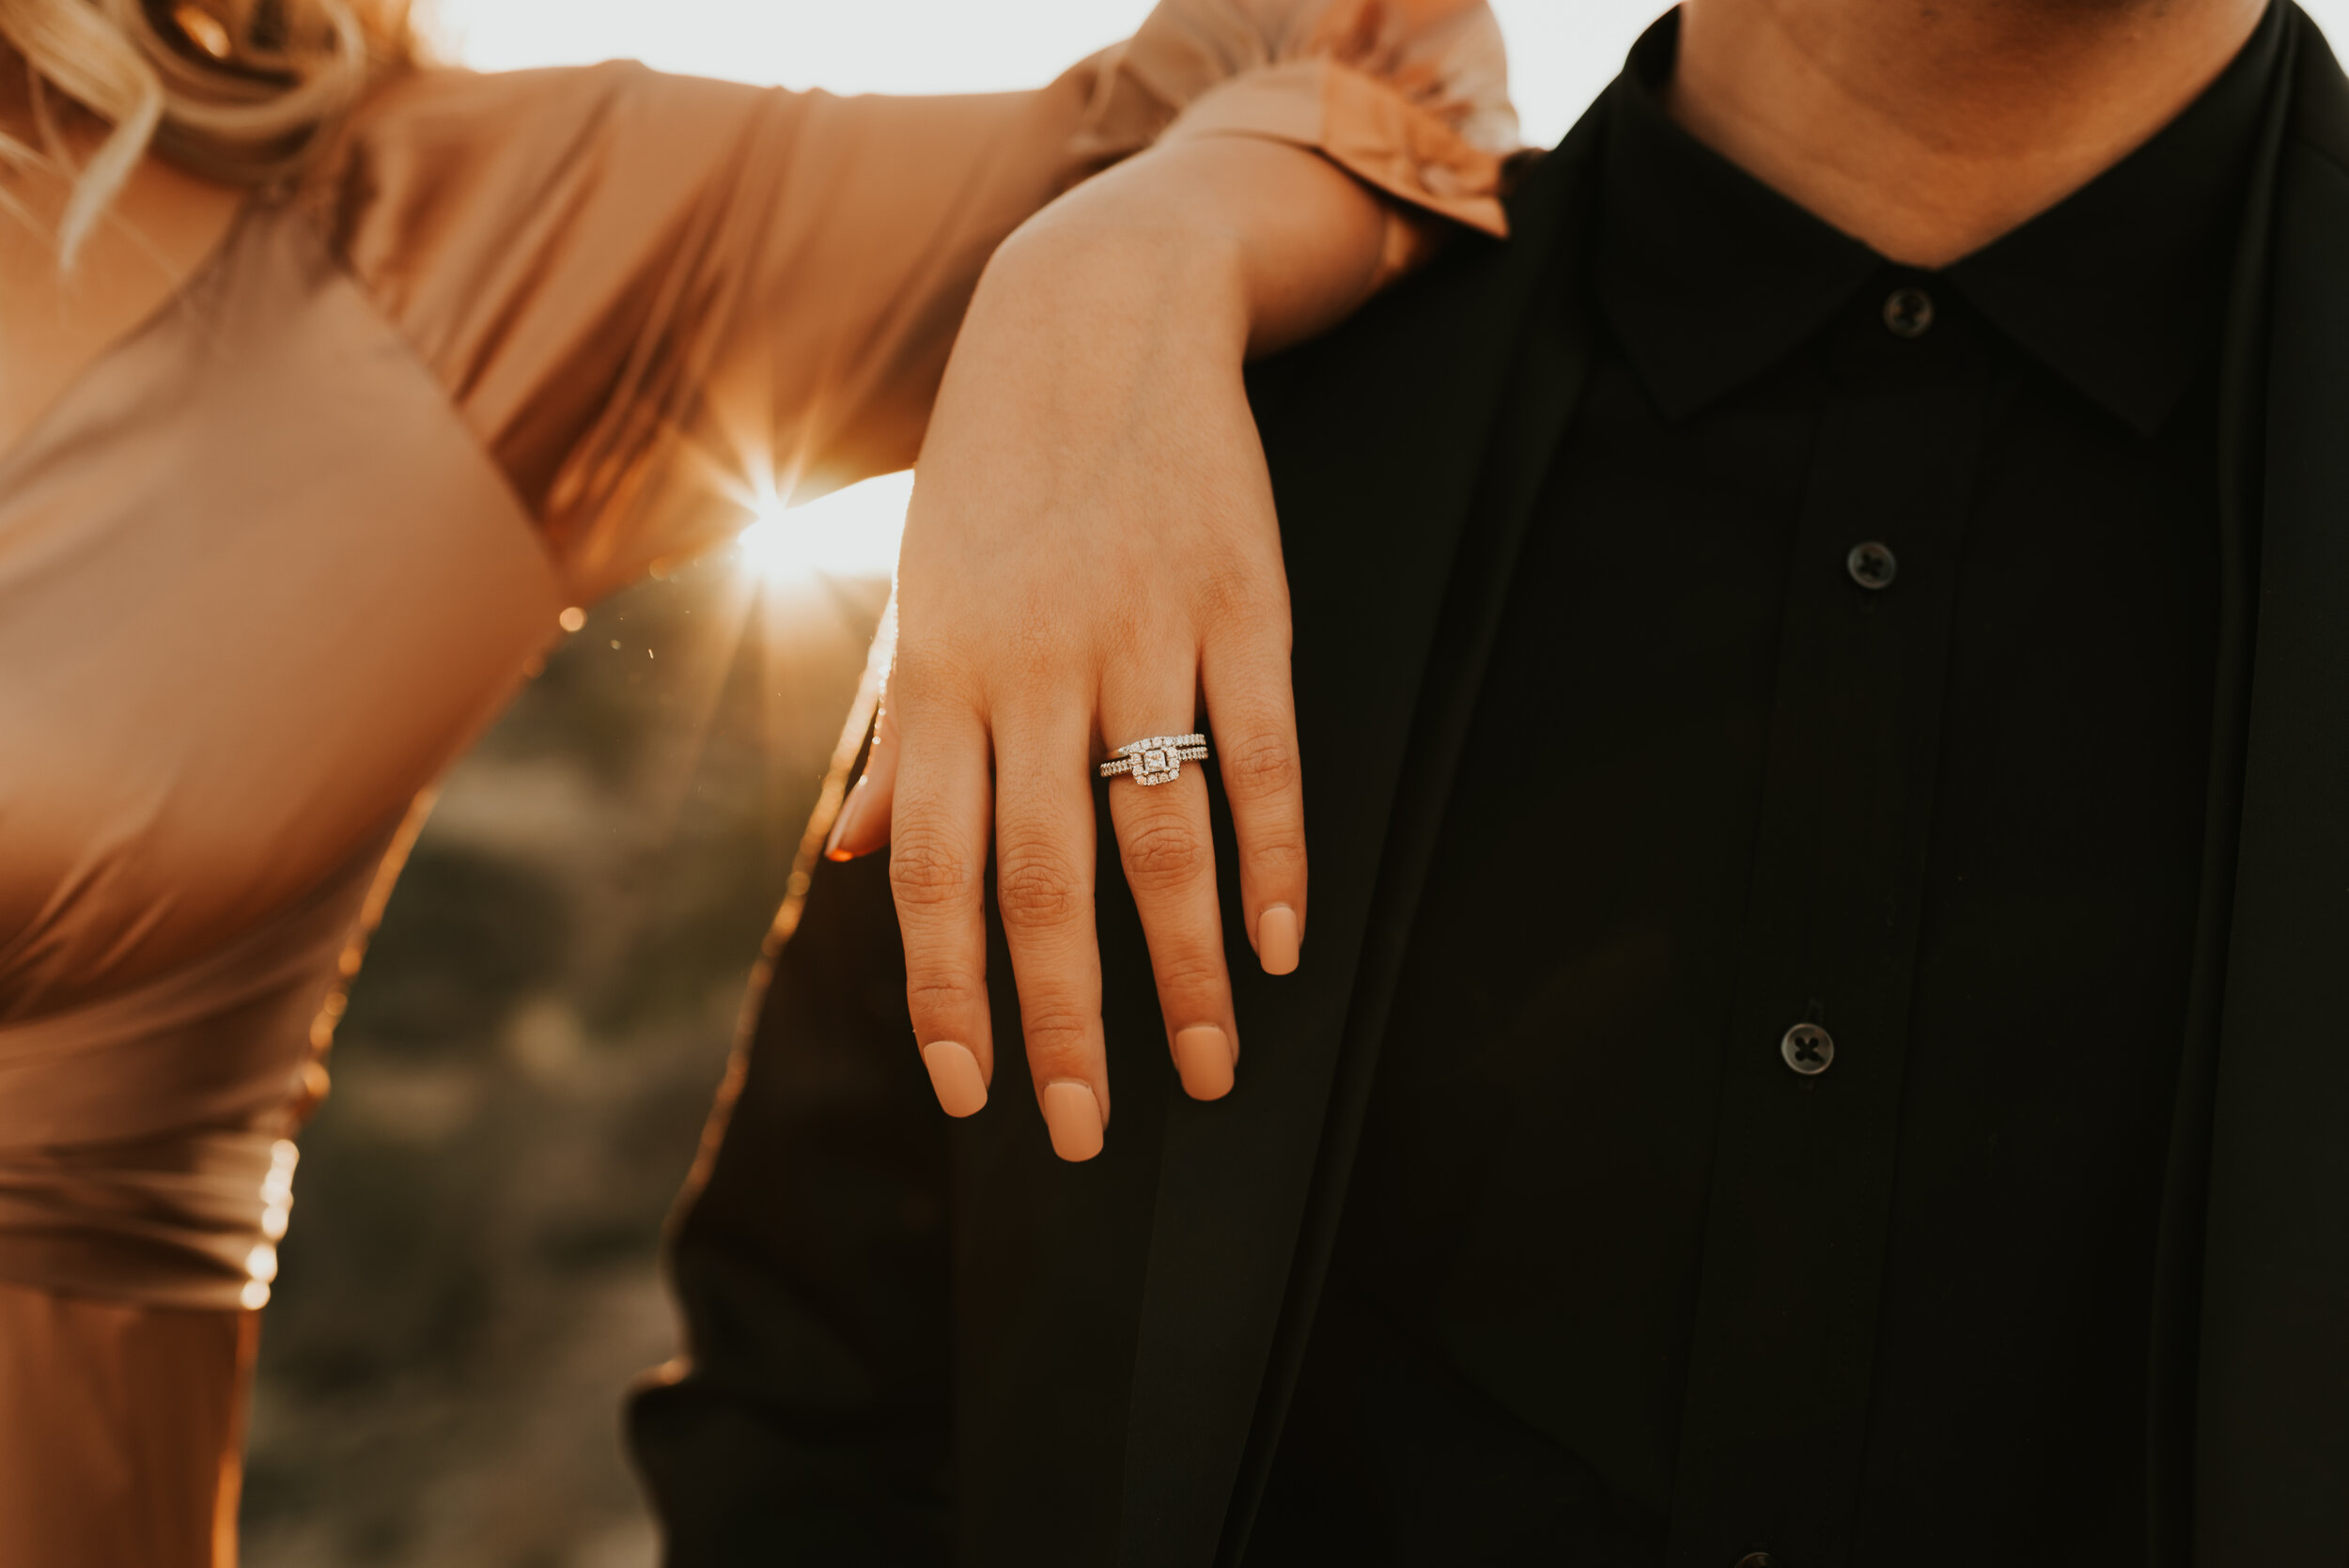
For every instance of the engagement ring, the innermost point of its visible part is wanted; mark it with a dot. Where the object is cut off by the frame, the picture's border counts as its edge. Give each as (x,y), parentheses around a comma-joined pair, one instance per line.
(1157,760)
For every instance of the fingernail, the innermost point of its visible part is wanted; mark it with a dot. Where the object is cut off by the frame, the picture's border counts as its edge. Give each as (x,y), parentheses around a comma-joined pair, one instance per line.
(955,1075)
(1204,1058)
(1074,1118)
(1277,940)
(840,826)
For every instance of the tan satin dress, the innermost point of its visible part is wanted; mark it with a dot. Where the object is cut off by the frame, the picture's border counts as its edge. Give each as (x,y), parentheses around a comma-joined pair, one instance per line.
(277,555)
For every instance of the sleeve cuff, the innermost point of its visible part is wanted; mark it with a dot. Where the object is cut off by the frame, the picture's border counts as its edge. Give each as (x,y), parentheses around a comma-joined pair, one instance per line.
(1361,123)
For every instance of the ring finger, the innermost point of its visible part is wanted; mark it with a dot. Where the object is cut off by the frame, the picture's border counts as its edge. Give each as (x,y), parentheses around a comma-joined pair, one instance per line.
(1168,851)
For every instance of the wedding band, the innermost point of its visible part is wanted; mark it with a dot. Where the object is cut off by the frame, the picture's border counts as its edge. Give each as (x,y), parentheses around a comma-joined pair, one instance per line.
(1157,760)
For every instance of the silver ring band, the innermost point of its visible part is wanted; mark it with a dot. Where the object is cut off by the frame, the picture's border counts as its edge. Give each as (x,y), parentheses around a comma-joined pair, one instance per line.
(1157,760)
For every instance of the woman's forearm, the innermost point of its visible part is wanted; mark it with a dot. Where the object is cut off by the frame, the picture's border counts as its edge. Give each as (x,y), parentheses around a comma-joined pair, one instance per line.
(1258,239)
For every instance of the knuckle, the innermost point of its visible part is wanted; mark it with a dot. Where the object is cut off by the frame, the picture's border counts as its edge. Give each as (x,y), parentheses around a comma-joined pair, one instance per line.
(1189,973)
(926,874)
(1163,853)
(1260,767)
(1033,649)
(1276,858)
(1240,591)
(1035,887)
(944,995)
(1057,1035)
(925,680)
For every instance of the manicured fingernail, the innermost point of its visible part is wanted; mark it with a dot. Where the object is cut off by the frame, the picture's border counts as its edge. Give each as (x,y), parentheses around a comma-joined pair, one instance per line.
(1277,940)
(955,1075)
(1074,1118)
(1202,1055)
(841,824)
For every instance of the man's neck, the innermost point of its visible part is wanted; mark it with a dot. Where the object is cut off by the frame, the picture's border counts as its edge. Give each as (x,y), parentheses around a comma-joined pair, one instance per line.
(1928,128)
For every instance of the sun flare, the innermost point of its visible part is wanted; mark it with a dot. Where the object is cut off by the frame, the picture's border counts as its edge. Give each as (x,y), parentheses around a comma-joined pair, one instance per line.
(851,532)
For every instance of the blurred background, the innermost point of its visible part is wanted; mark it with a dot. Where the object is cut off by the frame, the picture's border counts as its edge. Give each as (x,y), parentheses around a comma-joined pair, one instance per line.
(520,1083)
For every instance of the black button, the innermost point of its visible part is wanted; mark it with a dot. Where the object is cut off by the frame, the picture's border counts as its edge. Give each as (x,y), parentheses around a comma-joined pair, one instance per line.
(1908,312)
(1808,1048)
(1757,1560)
(1872,565)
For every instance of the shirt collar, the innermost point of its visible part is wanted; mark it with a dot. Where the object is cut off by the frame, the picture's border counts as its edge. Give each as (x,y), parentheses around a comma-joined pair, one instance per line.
(1709,277)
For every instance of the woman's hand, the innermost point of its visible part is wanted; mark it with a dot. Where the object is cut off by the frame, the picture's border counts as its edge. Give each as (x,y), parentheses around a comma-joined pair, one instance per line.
(1091,558)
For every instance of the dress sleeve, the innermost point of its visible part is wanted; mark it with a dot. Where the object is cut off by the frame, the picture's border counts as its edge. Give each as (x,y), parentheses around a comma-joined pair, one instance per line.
(656,298)
(1409,96)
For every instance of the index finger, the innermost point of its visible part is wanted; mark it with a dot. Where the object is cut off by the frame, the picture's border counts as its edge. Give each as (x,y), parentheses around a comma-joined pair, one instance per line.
(936,871)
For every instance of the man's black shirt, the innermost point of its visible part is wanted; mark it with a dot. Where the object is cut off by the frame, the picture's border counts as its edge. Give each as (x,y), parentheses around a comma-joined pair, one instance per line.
(1857,673)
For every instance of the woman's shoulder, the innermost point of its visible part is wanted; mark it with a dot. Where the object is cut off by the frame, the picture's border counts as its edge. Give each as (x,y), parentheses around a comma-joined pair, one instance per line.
(455,196)
(421,94)
(435,139)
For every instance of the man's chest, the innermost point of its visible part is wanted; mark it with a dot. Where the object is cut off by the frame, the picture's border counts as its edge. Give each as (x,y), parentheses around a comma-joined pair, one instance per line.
(1817,899)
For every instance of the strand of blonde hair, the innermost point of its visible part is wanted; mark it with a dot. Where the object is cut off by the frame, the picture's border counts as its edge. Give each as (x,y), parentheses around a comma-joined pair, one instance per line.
(237,90)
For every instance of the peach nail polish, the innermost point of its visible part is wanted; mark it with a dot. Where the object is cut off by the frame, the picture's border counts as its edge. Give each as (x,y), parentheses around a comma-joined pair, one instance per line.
(841,824)
(1277,940)
(1202,1056)
(954,1076)
(1074,1118)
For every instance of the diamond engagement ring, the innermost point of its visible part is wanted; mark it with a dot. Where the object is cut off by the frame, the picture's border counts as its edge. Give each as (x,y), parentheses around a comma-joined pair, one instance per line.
(1157,760)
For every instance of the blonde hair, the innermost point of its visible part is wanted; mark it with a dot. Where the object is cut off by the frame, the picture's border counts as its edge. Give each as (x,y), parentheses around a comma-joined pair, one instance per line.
(241,91)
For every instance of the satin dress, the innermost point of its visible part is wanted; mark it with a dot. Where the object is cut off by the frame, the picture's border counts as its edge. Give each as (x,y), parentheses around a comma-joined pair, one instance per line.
(280,553)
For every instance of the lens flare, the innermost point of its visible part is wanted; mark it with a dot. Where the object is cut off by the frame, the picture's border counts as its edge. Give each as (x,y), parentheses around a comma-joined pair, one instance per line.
(848,534)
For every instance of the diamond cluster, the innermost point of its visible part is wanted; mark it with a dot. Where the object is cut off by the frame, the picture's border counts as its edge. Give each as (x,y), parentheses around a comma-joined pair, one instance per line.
(1157,760)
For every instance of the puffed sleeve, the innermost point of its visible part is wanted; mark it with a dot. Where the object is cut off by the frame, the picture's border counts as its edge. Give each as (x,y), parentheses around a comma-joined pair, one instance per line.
(655,297)
(1409,96)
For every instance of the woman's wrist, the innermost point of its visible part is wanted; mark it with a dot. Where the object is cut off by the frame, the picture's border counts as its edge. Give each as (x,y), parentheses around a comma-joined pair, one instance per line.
(1109,276)
(1248,241)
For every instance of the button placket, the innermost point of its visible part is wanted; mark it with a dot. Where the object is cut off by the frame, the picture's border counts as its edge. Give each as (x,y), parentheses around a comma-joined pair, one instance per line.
(1782,1347)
